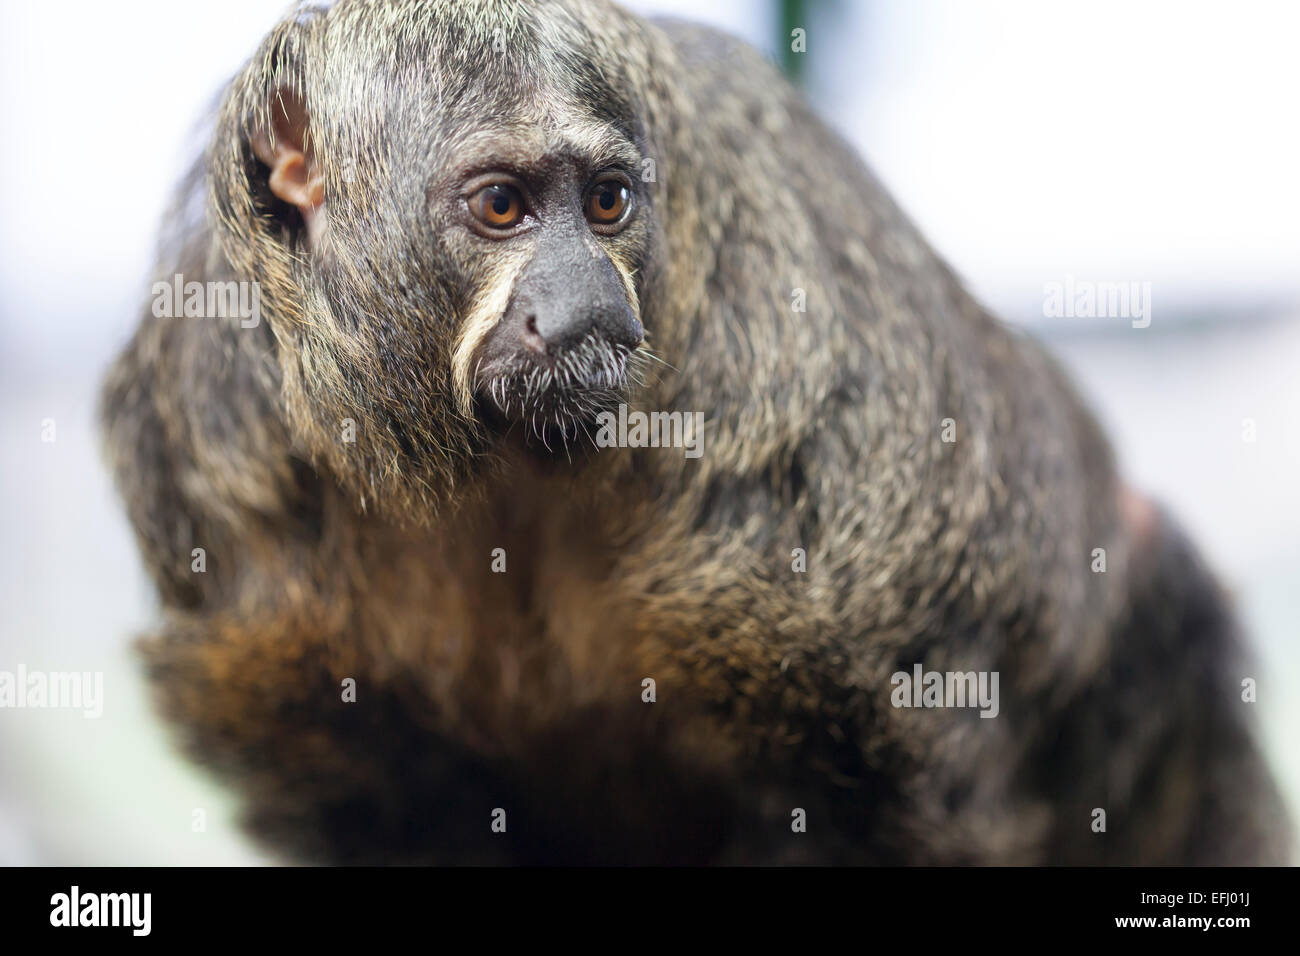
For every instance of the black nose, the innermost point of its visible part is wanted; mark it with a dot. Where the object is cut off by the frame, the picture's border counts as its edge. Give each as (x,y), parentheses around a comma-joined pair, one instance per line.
(568,292)
(564,325)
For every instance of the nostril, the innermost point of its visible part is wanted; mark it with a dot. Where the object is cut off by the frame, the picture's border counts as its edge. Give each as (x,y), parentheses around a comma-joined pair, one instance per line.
(532,338)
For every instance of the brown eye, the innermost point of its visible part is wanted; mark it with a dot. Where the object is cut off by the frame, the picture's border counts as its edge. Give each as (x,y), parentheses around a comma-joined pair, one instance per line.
(499,206)
(607,202)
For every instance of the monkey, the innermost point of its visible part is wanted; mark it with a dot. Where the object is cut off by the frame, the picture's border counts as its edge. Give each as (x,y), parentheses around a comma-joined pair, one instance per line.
(435,620)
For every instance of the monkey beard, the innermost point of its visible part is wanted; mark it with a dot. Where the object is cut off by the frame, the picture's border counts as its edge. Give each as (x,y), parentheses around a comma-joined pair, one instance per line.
(557,400)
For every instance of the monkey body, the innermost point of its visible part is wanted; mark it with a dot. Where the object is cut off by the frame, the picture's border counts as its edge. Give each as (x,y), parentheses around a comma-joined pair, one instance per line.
(498,593)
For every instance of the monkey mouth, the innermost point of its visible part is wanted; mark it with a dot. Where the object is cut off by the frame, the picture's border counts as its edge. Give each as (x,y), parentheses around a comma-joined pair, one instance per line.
(552,401)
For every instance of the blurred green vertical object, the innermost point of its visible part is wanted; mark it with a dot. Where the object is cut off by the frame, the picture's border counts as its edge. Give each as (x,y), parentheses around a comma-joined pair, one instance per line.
(793,15)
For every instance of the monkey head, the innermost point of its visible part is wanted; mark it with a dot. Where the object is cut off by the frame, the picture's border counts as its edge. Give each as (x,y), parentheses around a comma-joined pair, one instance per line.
(451,230)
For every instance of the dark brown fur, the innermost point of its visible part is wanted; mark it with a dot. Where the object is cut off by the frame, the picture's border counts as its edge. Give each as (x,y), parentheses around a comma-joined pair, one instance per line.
(477,690)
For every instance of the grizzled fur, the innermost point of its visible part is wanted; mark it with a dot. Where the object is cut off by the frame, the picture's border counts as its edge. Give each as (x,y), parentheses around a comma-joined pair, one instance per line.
(371,559)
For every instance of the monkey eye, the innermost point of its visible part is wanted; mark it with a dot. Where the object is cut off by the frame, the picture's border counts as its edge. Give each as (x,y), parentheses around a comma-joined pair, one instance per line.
(607,202)
(498,206)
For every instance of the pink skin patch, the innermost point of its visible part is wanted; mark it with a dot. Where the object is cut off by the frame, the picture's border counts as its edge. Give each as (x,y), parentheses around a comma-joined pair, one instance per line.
(1139,515)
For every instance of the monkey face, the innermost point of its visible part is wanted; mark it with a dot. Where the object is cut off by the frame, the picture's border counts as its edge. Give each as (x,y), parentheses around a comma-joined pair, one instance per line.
(545,212)
(467,235)
(570,334)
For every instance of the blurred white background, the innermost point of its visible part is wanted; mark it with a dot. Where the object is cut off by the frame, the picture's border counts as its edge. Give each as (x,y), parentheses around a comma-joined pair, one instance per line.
(1143,141)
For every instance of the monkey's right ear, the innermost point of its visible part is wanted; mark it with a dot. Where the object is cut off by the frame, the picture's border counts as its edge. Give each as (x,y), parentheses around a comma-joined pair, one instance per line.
(284,144)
